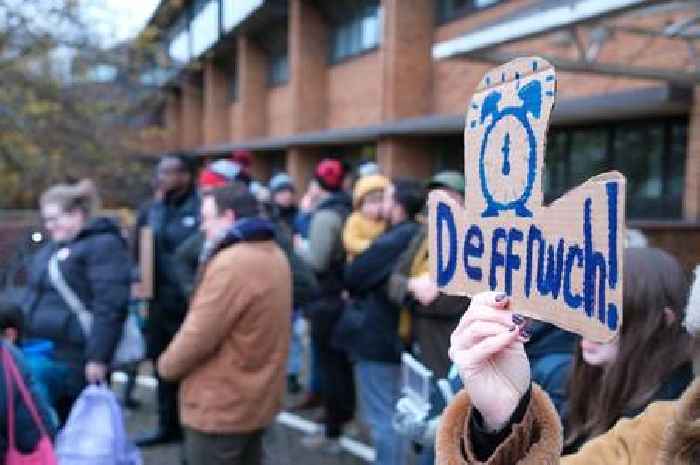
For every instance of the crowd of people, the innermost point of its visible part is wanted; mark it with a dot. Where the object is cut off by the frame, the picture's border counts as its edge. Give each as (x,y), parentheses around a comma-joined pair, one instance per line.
(241,268)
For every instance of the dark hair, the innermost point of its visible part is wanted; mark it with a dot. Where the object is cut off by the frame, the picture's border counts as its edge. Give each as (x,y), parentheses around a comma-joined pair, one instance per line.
(410,194)
(650,348)
(187,165)
(11,316)
(235,197)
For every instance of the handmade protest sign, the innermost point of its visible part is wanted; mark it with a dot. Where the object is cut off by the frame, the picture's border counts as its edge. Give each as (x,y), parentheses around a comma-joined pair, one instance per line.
(561,263)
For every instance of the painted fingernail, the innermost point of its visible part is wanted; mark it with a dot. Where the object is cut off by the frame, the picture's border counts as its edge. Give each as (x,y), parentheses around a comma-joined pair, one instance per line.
(500,296)
(525,332)
(518,319)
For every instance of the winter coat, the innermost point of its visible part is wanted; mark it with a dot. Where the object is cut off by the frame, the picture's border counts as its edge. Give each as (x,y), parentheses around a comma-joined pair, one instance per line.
(376,337)
(665,433)
(231,351)
(26,432)
(431,325)
(96,266)
(326,257)
(173,221)
(359,233)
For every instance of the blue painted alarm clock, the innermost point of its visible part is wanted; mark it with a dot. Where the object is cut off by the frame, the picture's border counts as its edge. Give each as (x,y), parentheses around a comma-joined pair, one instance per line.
(504,189)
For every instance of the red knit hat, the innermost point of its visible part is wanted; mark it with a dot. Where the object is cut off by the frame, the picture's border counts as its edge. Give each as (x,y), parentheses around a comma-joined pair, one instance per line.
(211,180)
(244,159)
(329,174)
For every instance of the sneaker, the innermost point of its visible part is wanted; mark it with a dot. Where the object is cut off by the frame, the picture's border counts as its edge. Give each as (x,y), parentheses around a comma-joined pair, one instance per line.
(320,442)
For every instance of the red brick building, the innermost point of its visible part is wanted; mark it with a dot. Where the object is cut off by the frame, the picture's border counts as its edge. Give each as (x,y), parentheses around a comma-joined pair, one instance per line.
(296,80)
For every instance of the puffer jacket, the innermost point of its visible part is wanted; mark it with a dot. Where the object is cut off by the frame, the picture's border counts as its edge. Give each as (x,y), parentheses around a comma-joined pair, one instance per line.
(96,266)
(665,433)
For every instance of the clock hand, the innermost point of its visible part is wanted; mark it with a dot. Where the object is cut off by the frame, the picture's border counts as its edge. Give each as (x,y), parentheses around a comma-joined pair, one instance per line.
(506,153)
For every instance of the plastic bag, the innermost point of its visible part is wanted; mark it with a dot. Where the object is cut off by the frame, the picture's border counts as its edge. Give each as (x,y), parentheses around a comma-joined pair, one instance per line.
(94,433)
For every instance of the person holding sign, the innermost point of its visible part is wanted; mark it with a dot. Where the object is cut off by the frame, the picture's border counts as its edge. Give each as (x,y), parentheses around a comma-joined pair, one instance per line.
(505,413)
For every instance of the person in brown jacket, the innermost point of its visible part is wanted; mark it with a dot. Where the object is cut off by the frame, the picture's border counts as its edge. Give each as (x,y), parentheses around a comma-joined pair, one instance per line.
(231,351)
(500,418)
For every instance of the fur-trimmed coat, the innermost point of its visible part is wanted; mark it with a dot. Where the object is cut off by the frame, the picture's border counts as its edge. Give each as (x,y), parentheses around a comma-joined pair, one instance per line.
(666,433)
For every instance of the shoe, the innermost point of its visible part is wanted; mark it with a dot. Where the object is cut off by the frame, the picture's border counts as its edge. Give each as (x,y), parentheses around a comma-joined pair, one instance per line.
(293,386)
(159,438)
(309,402)
(132,404)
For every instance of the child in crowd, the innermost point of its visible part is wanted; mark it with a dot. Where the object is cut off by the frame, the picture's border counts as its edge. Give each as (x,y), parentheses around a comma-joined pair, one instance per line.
(27,433)
(365,224)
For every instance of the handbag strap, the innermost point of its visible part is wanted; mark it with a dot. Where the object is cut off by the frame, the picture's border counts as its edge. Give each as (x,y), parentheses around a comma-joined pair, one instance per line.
(69,296)
(12,373)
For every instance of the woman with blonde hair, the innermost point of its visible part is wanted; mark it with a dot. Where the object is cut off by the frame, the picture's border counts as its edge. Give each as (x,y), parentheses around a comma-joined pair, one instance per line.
(78,290)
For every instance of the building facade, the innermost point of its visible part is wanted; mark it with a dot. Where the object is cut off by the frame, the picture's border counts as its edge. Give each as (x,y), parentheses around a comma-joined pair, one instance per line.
(389,80)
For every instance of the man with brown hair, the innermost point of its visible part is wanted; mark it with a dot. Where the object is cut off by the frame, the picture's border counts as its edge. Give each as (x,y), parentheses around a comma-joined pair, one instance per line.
(231,351)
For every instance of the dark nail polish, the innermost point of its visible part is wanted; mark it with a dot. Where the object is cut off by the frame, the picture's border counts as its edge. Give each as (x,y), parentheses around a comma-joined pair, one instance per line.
(500,296)
(526,332)
(518,319)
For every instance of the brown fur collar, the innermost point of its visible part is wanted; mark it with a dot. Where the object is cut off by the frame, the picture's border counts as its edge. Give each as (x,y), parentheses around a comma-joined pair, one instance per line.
(681,444)
(541,422)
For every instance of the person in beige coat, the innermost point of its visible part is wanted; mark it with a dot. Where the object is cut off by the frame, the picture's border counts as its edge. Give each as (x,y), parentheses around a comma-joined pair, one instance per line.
(231,351)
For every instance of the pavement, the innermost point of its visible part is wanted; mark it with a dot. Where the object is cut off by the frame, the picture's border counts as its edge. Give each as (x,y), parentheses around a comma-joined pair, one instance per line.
(282,441)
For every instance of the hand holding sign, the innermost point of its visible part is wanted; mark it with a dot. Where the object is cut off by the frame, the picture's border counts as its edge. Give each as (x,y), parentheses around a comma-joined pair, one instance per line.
(561,263)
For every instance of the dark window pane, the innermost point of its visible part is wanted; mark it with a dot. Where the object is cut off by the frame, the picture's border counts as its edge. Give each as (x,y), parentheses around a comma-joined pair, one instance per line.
(588,155)
(554,182)
(356,33)
(451,9)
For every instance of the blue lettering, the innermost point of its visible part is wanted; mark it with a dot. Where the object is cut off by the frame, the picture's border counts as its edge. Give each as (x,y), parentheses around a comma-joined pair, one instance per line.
(497,258)
(533,235)
(575,252)
(512,260)
(445,271)
(594,264)
(474,250)
(549,279)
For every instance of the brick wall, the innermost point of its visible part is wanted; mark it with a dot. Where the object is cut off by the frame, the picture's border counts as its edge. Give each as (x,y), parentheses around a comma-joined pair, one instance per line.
(355,91)
(279,111)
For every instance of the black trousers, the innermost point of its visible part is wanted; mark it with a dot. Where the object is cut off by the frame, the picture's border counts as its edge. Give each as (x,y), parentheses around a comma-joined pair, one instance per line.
(223,449)
(337,388)
(158,337)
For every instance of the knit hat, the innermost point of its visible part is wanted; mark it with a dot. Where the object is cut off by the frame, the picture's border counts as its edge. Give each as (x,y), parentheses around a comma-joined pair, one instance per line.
(368,169)
(449,179)
(218,174)
(244,159)
(367,184)
(329,174)
(280,182)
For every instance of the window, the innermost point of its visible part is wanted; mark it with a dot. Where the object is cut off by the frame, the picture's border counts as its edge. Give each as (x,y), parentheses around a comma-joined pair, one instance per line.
(205,26)
(452,9)
(235,11)
(278,72)
(356,33)
(651,154)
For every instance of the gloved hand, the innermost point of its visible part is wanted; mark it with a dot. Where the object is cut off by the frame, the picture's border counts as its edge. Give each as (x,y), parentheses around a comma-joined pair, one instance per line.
(409,424)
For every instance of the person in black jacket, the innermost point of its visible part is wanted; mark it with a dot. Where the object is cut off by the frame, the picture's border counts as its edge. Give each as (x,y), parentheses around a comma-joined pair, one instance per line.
(93,258)
(174,217)
(375,344)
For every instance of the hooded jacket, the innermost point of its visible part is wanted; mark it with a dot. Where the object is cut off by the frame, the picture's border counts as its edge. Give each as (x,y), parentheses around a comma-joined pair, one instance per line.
(231,351)
(97,268)
(665,433)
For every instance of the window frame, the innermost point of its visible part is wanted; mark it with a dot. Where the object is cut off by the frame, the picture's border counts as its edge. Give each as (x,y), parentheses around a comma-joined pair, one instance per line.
(444,17)
(356,21)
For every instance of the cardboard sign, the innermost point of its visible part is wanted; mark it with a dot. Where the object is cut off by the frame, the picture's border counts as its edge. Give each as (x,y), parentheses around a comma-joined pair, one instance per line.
(561,263)
(146,262)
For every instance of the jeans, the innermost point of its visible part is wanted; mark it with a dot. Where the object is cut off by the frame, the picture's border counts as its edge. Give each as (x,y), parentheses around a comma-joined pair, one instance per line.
(295,360)
(223,449)
(379,387)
